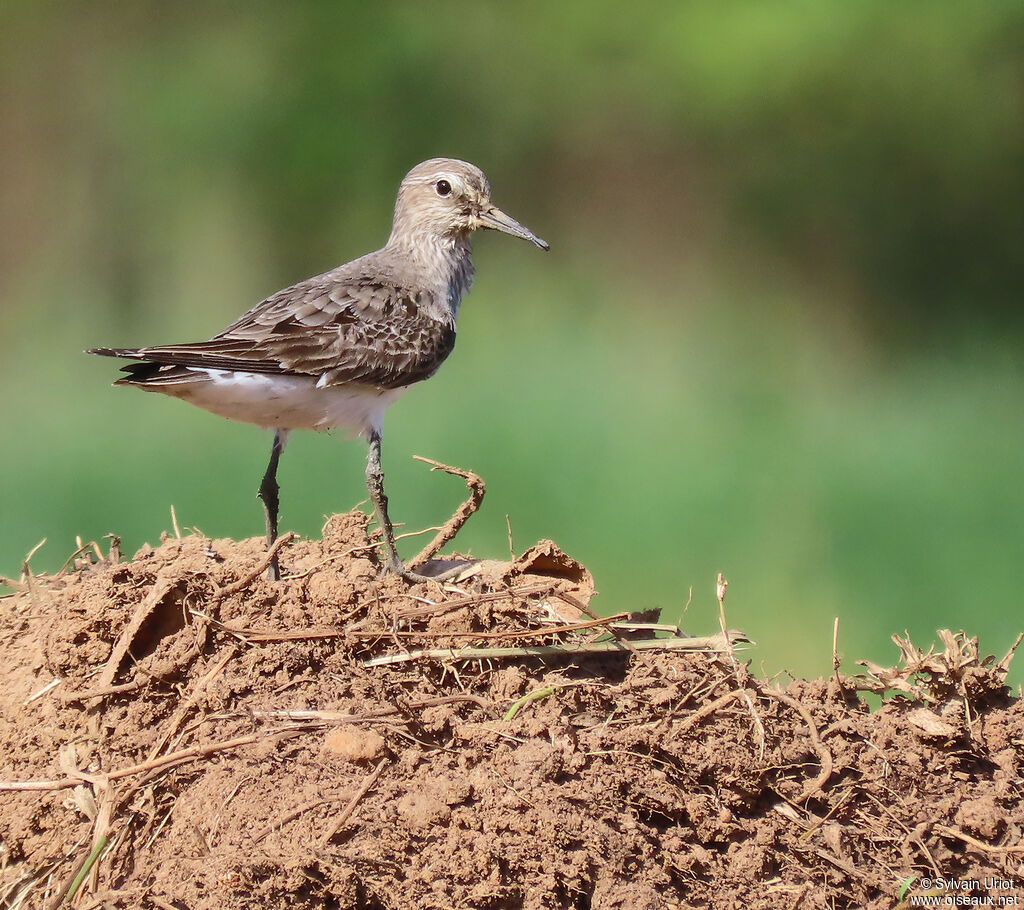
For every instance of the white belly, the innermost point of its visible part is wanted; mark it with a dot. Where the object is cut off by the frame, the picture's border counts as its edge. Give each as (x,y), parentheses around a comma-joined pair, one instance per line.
(284,402)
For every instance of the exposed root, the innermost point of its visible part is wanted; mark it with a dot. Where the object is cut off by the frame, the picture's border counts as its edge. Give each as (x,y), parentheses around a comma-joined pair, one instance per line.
(453,525)
(815,787)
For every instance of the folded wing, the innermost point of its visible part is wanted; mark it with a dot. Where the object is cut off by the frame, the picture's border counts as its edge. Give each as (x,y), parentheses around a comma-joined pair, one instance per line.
(350,329)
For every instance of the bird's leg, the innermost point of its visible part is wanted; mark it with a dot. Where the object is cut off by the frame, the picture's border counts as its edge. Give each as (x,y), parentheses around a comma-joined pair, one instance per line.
(268,492)
(375,484)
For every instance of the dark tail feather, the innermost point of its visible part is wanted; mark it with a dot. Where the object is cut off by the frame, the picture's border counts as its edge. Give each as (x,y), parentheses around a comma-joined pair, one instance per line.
(145,371)
(142,372)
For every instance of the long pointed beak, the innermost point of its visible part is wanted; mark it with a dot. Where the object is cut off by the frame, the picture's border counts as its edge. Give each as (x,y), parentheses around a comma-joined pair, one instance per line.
(497,220)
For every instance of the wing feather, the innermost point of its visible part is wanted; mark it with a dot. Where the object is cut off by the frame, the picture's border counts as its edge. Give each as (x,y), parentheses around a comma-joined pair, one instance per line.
(340,328)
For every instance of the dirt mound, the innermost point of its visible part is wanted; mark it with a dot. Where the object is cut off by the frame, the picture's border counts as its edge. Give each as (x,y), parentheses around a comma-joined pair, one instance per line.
(177,732)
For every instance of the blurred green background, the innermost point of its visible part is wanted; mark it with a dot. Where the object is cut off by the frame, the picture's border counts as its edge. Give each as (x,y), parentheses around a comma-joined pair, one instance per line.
(778,334)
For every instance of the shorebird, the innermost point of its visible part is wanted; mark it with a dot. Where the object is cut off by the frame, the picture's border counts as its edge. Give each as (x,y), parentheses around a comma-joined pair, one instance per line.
(335,350)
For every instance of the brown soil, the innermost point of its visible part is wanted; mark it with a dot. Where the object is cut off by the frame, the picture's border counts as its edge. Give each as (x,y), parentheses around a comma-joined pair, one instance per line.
(222,742)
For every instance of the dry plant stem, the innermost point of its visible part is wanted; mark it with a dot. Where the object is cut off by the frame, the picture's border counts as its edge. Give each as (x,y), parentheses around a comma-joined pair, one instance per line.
(325,718)
(974,842)
(251,576)
(554,630)
(454,524)
(916,837)
(814,787)
(119,689)
(472,600)
(11,583)
(114,553)
(721,586)
(250,636)
(713,643)
(189,701)
(818,822)
(335,718)
(526,633)
(351,807)
(754,715)
(25,562)
(256,635)
(1004,665)
(338,632)
(840,864)
(836,663)
(364,548)
(159,764)
(573,601)
(35,696)
(75,555)
(289,817)
(710,708)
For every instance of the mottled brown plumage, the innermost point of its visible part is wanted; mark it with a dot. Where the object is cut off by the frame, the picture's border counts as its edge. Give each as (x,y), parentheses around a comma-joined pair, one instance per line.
(335,328)
(337,349)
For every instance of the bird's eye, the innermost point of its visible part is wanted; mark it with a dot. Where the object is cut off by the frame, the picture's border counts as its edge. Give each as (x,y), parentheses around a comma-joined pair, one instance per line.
(443,187)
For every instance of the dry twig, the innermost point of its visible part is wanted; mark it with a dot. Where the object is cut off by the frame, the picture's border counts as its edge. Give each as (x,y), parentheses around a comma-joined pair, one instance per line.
(816,786)
(351,807)
(170,760)
(261,567)
(710,708)
(119,689)
(189,701)
(289,816)
(91,545)
(453,525)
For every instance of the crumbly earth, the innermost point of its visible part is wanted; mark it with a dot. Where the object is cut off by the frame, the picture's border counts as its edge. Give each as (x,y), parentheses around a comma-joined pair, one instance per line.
(222,742)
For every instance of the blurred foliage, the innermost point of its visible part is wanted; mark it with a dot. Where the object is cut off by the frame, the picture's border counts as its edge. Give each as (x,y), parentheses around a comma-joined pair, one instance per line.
(778,333)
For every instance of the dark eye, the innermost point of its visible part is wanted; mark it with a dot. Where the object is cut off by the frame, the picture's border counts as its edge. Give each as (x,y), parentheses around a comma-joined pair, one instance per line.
(444,188)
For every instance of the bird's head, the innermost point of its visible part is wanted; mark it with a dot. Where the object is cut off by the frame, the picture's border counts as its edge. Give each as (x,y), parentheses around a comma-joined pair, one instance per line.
(448,198)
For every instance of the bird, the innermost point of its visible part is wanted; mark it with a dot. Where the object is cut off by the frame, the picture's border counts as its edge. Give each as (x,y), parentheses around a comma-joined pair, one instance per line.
(335,350)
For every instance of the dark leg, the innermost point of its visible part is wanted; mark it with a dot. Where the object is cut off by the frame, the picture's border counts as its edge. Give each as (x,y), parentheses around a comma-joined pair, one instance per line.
(268,492)
(375,484)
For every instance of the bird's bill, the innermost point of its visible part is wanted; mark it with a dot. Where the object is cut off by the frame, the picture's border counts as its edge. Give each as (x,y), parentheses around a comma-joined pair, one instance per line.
(497,220)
